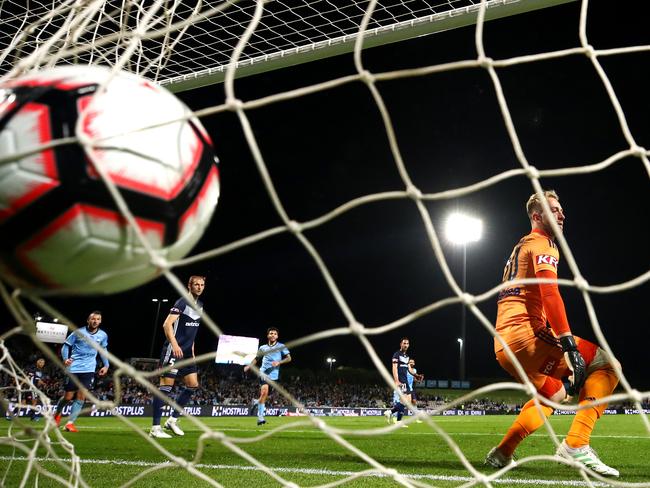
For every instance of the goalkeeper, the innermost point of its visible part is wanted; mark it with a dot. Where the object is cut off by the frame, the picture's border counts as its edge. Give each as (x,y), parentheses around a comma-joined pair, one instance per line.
(557,363)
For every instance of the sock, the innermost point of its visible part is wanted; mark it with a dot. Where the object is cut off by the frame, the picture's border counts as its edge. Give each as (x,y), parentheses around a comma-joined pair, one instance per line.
(182,399)
(527,422)
(158,404)
(395,408)
(60,405)
(261,408)
(400,411)
(77,405)
(599,384)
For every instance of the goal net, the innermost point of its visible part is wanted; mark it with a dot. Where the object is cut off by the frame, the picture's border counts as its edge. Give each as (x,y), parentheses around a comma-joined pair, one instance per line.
(337,218)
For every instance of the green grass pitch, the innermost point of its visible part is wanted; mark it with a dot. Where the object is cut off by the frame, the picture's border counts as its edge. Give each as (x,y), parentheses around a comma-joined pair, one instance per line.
(111,454)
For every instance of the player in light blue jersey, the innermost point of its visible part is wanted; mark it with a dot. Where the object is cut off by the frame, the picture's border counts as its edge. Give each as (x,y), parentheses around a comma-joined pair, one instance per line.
(271,355)
(80,357)
(180,326)
(412,378)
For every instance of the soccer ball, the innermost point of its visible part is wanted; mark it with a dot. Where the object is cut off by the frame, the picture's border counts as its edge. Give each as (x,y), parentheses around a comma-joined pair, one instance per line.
(60,227)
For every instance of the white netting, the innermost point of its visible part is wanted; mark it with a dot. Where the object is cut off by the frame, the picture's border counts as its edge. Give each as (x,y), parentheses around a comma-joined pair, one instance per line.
(135,38)
(187,44)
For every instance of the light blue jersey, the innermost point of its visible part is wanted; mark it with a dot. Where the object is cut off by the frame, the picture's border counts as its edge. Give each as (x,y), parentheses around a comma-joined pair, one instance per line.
(409,378)
(396,398)
(269,354)
(84,357)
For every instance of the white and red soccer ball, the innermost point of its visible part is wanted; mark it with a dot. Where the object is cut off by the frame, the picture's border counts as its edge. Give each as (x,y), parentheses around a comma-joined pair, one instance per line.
(59,226)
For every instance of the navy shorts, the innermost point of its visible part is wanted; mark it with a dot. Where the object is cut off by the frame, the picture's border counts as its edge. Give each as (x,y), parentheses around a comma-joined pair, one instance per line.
(167,359)
(264,379)
(86,379)
(404,388)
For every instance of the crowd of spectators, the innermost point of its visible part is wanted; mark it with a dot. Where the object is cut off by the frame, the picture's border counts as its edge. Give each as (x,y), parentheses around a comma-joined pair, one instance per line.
(230,386)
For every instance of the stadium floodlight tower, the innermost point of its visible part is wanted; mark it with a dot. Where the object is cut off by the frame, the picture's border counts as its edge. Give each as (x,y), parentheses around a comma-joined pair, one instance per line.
(330,361)
(158,302)
(462,229)
(461,355)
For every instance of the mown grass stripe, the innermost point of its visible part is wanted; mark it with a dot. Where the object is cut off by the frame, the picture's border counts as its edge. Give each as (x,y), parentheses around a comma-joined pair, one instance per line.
(317,472)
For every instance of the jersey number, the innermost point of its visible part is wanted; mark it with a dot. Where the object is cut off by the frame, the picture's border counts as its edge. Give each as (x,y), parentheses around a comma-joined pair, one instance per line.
(512,265)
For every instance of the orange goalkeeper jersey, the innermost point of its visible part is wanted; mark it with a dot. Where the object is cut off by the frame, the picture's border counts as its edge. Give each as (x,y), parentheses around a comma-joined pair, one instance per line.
(520,312)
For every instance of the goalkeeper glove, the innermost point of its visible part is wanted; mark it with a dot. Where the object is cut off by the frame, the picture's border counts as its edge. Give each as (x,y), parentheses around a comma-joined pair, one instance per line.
(575,362)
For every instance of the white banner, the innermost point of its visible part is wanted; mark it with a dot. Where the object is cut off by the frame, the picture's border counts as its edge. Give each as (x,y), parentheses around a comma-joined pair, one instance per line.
(49,332)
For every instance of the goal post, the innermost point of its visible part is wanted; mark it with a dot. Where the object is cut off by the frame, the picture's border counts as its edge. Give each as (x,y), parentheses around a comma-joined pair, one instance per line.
(373,37)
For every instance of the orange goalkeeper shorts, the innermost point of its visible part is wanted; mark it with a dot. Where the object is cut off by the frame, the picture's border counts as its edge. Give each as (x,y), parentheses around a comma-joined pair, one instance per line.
(543,361)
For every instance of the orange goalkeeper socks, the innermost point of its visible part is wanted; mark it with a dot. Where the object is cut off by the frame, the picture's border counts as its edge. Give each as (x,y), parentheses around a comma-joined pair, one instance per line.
(599,384)
(527,422)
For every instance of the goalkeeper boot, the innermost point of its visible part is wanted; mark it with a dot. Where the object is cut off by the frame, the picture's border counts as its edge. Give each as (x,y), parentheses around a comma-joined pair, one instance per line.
(70,427)
(156,431)
(261,422)
(587,456)
(172,424)
(497,459)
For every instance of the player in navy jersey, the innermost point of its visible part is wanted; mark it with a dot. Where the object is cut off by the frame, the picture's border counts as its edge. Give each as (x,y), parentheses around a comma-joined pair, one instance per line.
(180,326)
(80,357)
(272,355)
(36,377)
(401,368)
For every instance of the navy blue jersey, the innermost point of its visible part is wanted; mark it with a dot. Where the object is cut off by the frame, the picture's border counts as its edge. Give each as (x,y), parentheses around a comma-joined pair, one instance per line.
(402,360)
(187,323)
(35,375)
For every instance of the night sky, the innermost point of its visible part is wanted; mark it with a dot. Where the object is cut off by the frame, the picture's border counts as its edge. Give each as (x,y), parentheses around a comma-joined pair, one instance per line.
(325,149)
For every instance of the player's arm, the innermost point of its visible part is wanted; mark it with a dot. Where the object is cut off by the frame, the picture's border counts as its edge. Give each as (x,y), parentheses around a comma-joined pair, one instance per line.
(259,356)
(252,363)
(66,349)
(395,377)
(557,318)
(415,374)
(104,344)
(168,328)
(285,359)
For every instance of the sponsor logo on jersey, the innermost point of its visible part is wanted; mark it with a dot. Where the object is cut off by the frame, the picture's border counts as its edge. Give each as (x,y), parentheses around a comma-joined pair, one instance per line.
(549,366)
(546,259)
(509,292)
(192,324)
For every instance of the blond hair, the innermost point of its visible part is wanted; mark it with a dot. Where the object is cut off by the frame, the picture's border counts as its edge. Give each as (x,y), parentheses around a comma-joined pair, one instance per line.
(195,277)
(534,204)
